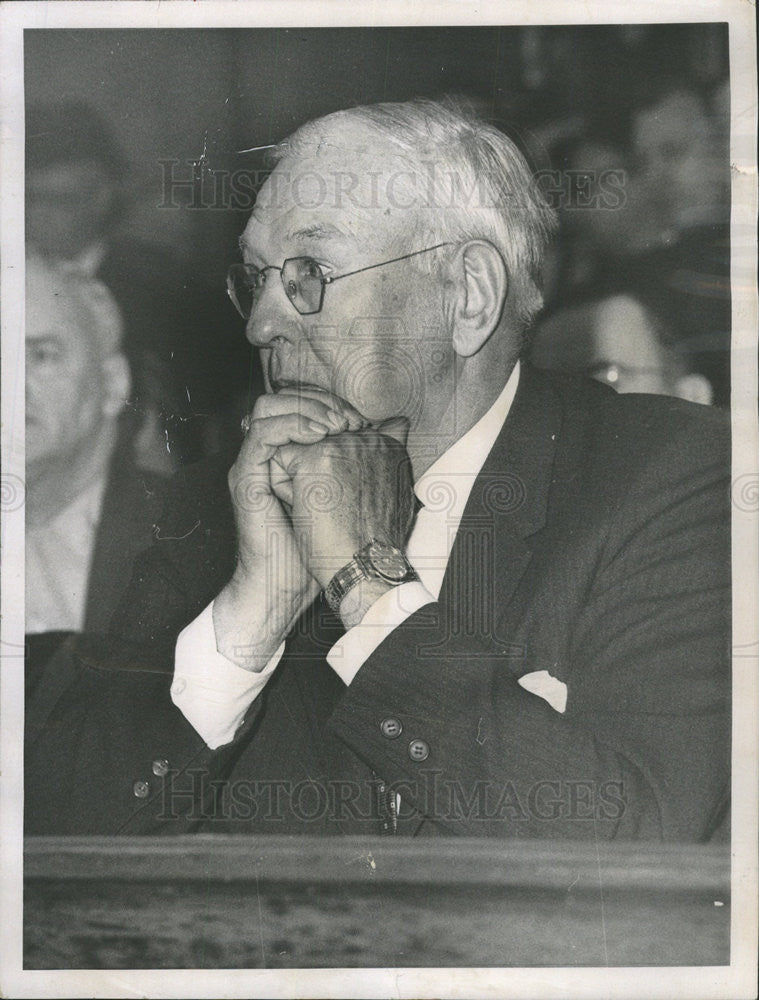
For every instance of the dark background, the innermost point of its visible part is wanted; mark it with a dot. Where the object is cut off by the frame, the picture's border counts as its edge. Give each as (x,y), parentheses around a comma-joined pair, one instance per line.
(163,90)
(170,94)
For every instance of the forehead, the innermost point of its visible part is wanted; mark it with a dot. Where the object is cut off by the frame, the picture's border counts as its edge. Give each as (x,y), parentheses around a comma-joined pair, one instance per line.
(339,193)
(617,329)
(625,332)
(51,310)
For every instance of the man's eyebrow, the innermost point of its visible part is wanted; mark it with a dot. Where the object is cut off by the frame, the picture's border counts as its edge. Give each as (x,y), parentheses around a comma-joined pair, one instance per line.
(45,340)
(37,338)
(316,231)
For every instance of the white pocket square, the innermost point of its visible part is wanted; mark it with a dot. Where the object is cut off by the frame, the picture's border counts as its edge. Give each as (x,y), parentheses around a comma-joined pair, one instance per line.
(549,688)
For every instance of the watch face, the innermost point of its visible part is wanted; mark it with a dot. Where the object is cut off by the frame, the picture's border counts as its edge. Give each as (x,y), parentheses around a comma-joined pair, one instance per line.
(388,561)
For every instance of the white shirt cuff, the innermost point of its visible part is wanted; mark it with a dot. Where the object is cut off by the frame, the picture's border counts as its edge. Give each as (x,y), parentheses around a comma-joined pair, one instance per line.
(210,691)
(354,648)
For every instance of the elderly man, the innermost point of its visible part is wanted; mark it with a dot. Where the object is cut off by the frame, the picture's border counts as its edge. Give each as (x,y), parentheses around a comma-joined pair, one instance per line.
(436,592)
(89,509)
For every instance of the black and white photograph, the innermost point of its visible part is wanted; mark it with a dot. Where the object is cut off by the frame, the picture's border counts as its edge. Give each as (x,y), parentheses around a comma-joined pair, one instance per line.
(380,505)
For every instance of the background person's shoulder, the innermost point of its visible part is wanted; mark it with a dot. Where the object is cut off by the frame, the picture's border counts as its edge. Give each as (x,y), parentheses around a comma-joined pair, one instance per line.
(615,450)
(634,419)
(693,430)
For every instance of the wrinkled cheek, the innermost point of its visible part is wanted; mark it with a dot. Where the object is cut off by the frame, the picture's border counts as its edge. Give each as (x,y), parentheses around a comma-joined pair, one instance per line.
(75,423)
(37,395)
(380,384)
(41,439)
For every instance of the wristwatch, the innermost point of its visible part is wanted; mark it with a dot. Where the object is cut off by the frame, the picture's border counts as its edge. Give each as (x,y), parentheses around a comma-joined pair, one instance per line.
(375,561)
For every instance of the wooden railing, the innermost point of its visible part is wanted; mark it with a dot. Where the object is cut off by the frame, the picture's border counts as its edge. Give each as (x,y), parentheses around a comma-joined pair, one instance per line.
(239,902)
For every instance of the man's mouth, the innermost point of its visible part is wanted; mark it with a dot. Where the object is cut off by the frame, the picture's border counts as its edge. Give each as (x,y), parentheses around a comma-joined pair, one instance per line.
(274,381)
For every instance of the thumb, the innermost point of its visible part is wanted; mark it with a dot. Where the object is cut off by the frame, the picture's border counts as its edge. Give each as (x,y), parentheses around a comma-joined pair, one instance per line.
(396,428)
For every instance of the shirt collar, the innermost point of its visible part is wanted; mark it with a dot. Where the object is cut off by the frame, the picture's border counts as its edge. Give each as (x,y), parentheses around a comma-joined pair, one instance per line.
(81,515)
(460,465)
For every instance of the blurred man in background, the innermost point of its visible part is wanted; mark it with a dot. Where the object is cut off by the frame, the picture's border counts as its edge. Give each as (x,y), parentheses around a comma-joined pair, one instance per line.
(90,509)
(187,358)
(663,228)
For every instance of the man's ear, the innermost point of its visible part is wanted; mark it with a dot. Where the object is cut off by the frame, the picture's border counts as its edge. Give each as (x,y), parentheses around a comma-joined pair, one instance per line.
(482,287)
(118,382)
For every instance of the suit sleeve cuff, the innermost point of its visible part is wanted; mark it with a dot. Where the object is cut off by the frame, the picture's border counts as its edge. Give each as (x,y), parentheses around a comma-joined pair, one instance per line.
(211,692)
(352,650)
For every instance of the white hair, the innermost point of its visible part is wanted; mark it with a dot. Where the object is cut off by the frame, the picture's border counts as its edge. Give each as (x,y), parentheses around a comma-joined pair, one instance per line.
(474,178)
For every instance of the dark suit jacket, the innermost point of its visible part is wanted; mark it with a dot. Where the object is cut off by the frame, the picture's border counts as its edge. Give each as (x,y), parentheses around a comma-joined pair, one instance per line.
(132,503)
(594,546)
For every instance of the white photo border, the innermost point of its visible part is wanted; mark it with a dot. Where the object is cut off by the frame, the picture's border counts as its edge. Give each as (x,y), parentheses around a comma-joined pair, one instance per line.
(734,981)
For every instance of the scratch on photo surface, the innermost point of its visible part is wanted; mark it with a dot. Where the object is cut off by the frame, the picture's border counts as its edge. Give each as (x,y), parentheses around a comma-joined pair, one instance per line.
(174,538)
(479,738)
(203,158)
(255,149)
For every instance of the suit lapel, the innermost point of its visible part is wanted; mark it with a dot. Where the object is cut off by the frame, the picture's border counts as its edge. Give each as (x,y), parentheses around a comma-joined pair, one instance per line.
(130,506)
(507,505)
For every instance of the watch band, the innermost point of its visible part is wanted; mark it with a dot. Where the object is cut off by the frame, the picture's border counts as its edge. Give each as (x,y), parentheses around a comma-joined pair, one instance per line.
(344,580)
(361,568)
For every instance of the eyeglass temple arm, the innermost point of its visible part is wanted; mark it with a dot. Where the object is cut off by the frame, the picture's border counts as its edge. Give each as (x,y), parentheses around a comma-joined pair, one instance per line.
(329,279)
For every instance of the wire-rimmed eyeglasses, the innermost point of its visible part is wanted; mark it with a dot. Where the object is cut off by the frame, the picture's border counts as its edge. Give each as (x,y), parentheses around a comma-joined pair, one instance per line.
(302,278)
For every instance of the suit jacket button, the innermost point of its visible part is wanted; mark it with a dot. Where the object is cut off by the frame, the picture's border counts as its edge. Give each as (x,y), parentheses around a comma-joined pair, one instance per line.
(141,789)
(391,728)
(418,750)
(160,767)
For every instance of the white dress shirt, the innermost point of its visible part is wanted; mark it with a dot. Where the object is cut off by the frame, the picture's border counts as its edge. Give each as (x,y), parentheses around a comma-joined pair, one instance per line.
(214,694)
(58,557)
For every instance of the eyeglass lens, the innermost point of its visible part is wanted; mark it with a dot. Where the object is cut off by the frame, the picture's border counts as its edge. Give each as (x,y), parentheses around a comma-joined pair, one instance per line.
(302,280)
(303,283)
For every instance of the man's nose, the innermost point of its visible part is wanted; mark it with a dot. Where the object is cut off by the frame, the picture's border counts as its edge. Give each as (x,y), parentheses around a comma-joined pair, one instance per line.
(31,384)
(273,315)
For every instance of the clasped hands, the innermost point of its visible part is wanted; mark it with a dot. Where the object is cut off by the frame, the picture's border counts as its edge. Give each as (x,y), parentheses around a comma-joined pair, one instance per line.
(312,483)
